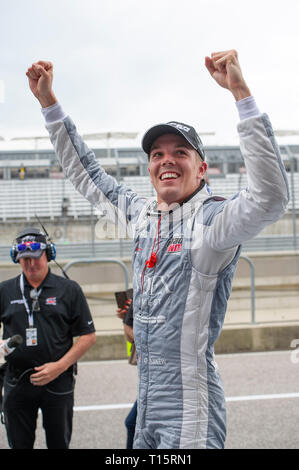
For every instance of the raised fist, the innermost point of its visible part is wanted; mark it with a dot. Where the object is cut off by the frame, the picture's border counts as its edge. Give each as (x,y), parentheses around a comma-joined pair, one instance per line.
(224,67)
(40,76)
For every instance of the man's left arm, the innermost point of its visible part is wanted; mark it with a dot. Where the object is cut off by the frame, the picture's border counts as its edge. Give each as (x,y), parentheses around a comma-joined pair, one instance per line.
(51,370)
(265,200)
(82,326)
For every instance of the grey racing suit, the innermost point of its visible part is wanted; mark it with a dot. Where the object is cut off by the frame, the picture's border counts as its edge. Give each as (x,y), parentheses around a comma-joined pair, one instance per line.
(180,302)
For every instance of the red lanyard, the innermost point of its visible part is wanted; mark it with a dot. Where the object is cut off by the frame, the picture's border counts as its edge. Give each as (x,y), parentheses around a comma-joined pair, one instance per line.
(150,263)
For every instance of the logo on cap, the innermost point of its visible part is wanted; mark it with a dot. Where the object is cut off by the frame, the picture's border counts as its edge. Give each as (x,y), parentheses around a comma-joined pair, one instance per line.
(180,126)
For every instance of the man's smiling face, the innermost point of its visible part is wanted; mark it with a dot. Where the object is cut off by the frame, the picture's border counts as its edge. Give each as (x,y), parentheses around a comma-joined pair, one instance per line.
(175,168)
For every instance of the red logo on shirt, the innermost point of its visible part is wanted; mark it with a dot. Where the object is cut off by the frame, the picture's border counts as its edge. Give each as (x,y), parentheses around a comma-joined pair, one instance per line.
(51,301)
(175,245)
(174,248)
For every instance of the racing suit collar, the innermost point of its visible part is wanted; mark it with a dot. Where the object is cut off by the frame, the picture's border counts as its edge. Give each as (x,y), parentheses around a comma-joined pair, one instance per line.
(192,201)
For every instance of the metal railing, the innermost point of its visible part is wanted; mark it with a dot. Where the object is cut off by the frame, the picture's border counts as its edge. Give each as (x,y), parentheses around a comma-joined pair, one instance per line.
(124,248)
(126,274)
(252,285)
(4,250)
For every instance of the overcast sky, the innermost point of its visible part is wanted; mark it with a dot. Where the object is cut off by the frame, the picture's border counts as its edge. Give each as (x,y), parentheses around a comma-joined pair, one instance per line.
(128,64)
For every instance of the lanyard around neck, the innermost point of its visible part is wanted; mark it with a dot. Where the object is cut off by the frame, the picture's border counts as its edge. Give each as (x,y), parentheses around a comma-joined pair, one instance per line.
(30,314)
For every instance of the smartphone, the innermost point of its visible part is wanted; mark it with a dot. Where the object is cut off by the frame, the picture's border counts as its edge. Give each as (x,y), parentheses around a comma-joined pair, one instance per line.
(122,297)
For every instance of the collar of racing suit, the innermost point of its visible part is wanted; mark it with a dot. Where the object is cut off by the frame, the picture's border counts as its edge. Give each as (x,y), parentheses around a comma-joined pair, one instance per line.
(185,208)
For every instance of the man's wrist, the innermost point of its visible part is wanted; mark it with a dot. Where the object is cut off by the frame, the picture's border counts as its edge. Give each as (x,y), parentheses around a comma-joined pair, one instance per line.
(247,108)
(46,101)
(62,365)
(53,113)
(241,93)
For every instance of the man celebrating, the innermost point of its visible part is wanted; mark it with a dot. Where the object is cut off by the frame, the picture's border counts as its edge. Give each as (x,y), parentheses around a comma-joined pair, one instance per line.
(187,244)
(47,311)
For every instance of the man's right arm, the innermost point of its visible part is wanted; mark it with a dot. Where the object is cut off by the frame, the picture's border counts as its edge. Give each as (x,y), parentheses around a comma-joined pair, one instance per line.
(77,160)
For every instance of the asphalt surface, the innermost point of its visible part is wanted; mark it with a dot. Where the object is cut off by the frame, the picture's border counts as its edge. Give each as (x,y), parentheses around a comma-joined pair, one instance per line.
(262,391)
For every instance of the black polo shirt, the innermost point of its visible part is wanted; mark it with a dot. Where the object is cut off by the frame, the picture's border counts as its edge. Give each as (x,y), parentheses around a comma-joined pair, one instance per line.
(64,313)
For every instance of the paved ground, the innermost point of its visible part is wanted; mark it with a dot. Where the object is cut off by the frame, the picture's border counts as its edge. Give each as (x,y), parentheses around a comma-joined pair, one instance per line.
(262,391)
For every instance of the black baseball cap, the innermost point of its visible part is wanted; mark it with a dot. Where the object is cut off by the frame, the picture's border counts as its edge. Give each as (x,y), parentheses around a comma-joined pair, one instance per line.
(31,234)
(173,127)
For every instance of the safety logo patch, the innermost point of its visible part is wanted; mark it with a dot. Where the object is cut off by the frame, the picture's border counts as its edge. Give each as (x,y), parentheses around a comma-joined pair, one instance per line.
(51,301)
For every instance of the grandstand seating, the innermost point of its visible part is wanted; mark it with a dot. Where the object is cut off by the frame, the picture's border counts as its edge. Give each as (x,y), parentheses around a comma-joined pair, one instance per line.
(23,199)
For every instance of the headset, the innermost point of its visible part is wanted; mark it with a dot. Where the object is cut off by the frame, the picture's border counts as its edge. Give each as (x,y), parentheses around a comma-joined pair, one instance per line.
(50,246)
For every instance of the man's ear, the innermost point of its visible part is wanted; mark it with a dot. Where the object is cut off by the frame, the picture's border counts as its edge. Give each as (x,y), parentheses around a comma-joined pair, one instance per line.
(203,169)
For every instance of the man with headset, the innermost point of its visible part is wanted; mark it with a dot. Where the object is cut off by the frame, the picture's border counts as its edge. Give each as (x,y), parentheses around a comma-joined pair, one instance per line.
(47,311)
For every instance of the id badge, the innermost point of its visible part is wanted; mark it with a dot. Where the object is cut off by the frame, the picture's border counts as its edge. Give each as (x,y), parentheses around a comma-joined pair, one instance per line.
(31,337)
